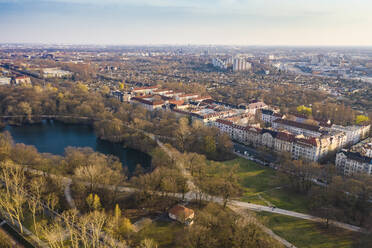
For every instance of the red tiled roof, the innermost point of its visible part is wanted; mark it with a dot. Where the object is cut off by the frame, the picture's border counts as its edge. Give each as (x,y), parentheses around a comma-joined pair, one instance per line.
(176,102)
(202,98)
(22,77)
(181,211)
(285,136)
(163,90)
(229,123)
(147,102)
(244,128)
(310,141)
(298,124)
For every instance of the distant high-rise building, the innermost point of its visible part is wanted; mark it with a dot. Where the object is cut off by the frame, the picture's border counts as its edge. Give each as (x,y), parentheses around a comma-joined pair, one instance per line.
(219,63)
(230,61)
(241,65)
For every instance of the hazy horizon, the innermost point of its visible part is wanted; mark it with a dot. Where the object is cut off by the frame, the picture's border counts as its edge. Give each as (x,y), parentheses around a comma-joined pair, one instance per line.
(327,23)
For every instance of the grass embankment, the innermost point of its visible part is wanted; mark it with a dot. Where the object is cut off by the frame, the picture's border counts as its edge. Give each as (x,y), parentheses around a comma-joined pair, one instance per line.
(262,186)
(307,234)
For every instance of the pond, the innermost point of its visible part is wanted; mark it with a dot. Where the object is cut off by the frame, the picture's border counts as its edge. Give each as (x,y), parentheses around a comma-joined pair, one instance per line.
(53,137)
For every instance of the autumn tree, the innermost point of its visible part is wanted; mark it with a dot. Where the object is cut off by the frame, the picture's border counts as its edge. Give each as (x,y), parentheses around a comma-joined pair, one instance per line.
(300,174)
(304,110)
(360,119)
(182,133)
(93,201)
(217,227)
(6,143)
(209,145)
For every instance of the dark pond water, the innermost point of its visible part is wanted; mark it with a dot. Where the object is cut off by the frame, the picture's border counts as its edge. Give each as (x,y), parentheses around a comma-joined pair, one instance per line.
(53,137)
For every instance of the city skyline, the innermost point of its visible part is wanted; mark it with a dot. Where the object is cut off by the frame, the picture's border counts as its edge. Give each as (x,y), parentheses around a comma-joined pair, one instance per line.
(223,22)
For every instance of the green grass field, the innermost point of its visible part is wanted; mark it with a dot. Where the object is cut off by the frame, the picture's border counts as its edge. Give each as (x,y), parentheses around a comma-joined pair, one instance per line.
(307,234)
(261,184)
(163,232)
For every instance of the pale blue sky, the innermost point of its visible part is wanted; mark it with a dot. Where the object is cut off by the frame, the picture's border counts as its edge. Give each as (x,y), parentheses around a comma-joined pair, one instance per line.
(232,22)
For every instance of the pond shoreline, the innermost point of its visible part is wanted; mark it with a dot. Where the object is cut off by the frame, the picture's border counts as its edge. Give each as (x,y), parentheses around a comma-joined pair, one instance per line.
(53,136)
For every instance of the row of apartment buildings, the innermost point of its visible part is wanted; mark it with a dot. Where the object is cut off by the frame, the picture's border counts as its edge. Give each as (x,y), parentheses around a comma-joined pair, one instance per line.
(298,145)
(237,64)
(203,108)
(296,137)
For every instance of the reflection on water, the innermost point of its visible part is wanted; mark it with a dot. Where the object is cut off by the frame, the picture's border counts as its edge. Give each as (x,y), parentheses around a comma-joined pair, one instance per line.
(53,137)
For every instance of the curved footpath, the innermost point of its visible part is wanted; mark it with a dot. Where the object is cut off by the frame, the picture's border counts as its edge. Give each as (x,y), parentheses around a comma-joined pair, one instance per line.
(193,196)
(258,208)
(237,206)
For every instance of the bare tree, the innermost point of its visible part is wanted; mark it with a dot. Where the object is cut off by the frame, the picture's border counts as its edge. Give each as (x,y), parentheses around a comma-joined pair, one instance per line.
(54,234)
(148,243)
(96,220)
(14,196)
(37,187)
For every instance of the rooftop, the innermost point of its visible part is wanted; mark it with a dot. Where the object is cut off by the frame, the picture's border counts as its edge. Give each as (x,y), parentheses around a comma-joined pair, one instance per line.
(181,211)
(358,157)
(298,125)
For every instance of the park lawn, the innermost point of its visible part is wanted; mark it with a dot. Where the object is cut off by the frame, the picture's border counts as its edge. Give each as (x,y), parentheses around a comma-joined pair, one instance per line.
(256,179)
(163,232)
(253,177)
(307,234)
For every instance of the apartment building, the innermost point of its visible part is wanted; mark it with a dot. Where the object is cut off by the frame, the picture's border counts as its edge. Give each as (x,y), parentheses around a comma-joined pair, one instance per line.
(253,106)
(240,64)
(268,116)
(144,90)
(299,146)
(284,142)
(149,105)
(297,128)
(55,73)
(350,163)
(353,133)
(22,80)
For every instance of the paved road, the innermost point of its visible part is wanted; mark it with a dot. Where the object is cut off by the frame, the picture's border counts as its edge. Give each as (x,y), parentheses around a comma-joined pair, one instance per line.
(247,206)
(267,230)
(259,208)
(185,173)
(242,149)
